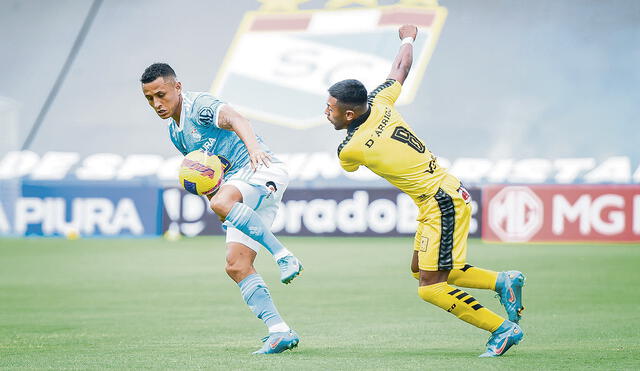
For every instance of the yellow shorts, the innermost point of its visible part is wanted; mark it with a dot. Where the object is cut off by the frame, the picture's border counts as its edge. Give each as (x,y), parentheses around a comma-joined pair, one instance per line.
(441,238)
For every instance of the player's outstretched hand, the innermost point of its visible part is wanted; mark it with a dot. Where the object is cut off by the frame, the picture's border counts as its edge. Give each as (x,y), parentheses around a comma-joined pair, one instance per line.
(408,30)
(259,157)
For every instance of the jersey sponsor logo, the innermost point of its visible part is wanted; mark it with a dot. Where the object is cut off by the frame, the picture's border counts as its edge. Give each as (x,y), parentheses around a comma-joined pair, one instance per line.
(195,134)
(294,55)
(209,144)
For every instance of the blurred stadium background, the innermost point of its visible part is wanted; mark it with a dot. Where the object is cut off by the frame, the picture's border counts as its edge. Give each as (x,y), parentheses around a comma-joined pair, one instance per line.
(533,104)
(527,93)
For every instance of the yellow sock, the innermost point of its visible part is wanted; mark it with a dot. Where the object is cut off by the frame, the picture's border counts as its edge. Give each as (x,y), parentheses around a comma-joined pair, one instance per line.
(473,277)
(460,304)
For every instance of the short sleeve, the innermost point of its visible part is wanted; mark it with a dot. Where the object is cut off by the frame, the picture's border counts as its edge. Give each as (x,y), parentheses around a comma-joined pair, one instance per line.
(205,109)
(349,166)
(347,157)
(385,93)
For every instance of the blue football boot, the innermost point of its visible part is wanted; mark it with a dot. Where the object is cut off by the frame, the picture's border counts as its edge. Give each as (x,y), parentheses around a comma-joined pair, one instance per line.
(278,342)
(506,336)
(509,289)
(290,268)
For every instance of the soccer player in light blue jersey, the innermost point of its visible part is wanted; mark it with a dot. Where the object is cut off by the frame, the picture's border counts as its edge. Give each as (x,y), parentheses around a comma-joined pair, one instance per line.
(247,201)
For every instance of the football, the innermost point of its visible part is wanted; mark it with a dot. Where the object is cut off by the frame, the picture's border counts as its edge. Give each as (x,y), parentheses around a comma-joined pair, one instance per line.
(201,173)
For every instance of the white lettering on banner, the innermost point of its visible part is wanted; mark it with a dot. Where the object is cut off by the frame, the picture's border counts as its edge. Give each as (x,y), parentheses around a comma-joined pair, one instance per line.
(570,168)
(87,215)
(100,166)
(97,212)
(295,210)
(126,216)
(29,210)
(17,164)
(193,207)
(351,214)
(562,210)
(382,215)
(319,216)
(589,214)
(515,214)
(324,165)
(636,214)
(532,170)
(54,165)
(615,224)
(471,170)
(139,166)
(614,169)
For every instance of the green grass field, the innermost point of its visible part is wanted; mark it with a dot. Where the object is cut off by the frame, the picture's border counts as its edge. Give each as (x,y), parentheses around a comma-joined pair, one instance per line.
(150,303)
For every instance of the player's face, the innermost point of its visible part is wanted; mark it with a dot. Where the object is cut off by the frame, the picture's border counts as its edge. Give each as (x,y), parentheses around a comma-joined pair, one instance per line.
(163,94)
(336,115)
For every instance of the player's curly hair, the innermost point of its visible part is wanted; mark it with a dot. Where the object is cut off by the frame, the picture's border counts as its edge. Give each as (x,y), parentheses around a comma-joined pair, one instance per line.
(157,70)
(349,93)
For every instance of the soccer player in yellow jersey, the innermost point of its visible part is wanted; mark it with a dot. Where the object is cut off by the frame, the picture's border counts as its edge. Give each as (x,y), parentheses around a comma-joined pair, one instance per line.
(379,138)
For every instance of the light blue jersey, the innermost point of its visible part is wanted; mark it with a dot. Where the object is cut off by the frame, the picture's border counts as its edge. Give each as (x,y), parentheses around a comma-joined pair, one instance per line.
(199,129)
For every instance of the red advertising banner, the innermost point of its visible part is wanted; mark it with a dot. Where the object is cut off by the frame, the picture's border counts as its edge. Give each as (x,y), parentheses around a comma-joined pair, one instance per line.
(553,213)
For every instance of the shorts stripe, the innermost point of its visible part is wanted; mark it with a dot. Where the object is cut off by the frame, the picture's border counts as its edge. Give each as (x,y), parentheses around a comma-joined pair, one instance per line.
(447,220)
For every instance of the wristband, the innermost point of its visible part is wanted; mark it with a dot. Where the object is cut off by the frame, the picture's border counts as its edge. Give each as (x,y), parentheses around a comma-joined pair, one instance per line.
(407,40)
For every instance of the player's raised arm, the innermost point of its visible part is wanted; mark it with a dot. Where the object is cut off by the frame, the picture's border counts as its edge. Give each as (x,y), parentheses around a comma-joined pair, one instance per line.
(404,59)
(230,119)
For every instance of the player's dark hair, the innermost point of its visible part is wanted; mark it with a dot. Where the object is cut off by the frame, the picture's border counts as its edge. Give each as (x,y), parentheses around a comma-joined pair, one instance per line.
(157,70)
(349,93)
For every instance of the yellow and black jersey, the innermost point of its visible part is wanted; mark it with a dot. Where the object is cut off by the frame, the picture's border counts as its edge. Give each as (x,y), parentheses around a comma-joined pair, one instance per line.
(382,141)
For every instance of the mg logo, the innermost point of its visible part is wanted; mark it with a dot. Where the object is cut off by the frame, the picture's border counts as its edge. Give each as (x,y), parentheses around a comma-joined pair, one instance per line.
(515,214)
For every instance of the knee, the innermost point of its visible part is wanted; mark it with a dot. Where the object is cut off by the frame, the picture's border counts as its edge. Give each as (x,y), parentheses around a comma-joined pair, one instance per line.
(237,268)
(221,206)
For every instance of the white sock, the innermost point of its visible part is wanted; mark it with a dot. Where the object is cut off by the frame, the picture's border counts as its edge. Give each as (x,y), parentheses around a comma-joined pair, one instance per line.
(281,254)
(279,327)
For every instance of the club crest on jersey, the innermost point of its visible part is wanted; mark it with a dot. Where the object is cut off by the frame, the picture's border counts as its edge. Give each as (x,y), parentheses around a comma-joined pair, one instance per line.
(283,59)
(195,134)
(205,115)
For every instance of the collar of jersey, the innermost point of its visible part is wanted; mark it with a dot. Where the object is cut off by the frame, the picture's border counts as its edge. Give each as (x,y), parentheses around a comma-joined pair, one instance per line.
(183,113)
(359,121)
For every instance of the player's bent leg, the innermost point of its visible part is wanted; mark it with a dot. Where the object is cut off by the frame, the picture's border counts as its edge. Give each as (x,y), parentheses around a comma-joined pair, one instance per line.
(256,295)
(245,219)
(224,200)
(473,277)
(456,301)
